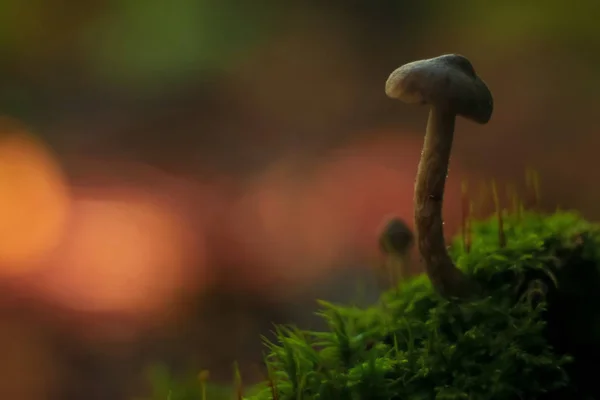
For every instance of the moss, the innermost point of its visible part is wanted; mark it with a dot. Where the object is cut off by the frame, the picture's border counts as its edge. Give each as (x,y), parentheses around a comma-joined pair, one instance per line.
(534,335)
(165,386)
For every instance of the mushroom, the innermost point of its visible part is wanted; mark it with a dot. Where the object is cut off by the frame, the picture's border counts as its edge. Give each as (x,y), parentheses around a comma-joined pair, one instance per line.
(451,87)
(396,237)
(396,241)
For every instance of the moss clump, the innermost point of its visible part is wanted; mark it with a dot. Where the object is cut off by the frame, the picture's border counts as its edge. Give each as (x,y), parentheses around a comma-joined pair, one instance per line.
(534,335)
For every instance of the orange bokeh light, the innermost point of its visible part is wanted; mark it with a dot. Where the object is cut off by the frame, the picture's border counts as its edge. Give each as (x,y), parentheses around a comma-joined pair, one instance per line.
(34,200)
(124,254)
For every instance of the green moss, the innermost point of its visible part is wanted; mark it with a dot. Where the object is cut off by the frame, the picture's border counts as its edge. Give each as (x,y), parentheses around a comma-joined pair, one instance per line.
(535,335)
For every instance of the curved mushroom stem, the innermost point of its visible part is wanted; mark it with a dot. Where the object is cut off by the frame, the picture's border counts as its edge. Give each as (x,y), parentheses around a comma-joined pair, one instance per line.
(446,278)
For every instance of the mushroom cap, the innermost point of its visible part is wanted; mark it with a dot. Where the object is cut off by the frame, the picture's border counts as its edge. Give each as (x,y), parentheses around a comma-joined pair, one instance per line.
(448,81)
(396,237)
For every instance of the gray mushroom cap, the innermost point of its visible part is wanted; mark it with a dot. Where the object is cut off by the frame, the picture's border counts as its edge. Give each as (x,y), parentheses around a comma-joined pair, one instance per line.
(446,81)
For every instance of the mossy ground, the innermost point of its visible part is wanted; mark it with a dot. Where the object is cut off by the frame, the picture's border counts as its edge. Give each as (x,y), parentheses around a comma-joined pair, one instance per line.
(535,334)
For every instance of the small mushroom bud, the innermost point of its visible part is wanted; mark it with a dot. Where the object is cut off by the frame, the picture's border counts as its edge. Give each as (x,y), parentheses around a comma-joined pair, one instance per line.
(395,241)
(396,238)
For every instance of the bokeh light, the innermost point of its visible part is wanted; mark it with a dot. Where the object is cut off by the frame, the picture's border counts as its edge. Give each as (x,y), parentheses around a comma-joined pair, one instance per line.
(34,199)
(126,252)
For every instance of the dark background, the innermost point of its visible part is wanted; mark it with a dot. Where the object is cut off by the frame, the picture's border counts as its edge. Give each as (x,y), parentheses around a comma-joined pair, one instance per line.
(175,176)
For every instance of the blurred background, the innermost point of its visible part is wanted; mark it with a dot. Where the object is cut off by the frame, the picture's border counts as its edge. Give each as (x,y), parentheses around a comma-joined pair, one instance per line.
(177,176)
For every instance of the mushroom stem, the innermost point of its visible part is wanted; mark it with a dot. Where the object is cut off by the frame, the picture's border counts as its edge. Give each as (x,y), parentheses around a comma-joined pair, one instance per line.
(446,278)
